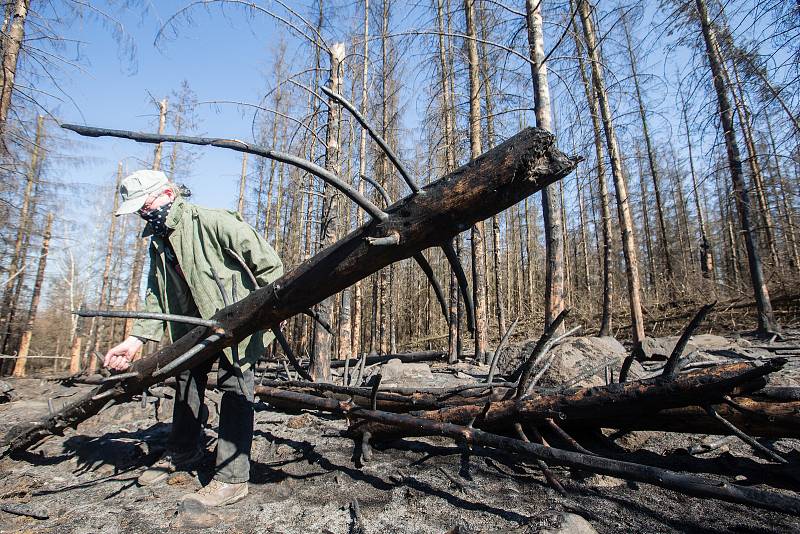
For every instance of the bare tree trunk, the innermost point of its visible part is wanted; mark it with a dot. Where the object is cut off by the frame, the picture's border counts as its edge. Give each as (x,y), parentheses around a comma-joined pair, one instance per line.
(94,335)
(766,318)
(132,300)
(450,165)
(620,183)
(75,355)
(605,319)
(478,245)
(652,276)
(745,121)
(362,171)
(12,44)
(651,159)
(553,237)
(488,97)
(243,188)
(587,284)
(25,342)
(321,358)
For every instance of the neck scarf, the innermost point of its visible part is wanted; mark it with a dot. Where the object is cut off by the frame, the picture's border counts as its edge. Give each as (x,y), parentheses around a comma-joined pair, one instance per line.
(158,219)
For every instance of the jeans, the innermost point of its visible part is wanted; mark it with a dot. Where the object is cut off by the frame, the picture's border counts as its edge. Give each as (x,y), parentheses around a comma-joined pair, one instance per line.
(235,435)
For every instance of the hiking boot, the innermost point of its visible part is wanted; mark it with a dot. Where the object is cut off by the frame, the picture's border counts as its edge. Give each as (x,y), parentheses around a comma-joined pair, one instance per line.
(217,493)
(168,464)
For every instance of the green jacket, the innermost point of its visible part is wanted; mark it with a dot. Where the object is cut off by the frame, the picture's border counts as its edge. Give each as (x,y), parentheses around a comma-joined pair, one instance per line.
(205,241)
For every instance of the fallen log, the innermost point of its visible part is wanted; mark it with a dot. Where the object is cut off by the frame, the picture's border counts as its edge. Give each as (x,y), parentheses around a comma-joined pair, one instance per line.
(684,483)
(762,418)
(501,177)
(586,405)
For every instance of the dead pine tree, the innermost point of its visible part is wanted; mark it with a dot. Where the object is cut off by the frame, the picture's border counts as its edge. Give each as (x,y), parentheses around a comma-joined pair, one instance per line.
(358,289)
(706,253)
(478,230)
(551,211)
(591,98)
(12,43)
(25,341)
(766,317)
(447,109)
(620,182)
(323,341)
(105,293)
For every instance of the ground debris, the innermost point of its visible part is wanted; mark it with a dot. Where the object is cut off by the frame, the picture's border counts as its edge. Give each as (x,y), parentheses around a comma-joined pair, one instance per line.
(304,479)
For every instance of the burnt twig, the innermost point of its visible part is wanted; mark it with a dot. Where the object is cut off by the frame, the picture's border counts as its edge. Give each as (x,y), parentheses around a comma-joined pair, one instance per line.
(463,285)
(758,447)
(169,317)
(671,368)
(499,349)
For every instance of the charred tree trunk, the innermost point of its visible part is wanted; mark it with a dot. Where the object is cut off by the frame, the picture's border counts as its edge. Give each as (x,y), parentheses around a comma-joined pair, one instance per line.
(766,318)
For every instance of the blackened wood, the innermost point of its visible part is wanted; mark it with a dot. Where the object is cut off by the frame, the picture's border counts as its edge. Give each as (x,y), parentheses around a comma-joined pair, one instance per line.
(671,368)
(684,483)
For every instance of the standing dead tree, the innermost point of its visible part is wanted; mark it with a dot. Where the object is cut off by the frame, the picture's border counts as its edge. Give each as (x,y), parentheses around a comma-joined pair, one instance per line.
(501,177)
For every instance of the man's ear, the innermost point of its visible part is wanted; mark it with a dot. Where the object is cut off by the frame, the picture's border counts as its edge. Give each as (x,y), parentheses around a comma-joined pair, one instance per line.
(170,193)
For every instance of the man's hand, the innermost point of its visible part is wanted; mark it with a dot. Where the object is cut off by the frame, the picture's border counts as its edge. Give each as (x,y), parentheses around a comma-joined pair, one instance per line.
(118,358)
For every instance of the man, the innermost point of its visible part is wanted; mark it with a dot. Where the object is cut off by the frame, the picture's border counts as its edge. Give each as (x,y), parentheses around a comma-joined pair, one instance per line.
(196,255)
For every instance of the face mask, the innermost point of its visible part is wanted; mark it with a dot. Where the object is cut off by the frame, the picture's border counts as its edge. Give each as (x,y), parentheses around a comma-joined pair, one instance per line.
(158,219)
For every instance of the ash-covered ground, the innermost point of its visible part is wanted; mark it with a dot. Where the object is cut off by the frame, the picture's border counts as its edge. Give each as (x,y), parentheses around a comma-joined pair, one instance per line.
(305,478)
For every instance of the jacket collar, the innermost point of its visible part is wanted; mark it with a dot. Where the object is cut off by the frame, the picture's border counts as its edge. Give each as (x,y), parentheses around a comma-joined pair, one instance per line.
(179,206)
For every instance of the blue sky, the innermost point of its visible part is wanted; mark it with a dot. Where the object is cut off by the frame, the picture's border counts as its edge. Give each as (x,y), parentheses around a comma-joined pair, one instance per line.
(222,59)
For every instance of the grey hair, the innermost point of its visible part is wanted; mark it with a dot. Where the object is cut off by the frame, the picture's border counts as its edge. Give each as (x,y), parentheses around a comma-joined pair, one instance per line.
(180,190)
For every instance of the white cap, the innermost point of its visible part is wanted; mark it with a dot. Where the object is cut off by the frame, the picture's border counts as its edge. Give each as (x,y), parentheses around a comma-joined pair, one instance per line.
(135,189)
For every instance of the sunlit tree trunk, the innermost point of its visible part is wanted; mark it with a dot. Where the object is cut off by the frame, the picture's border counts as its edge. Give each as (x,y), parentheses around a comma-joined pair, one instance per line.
(620,182)
(605,317)
(553,237)
(25,342)
(478,231)
(321,357)
(12,43)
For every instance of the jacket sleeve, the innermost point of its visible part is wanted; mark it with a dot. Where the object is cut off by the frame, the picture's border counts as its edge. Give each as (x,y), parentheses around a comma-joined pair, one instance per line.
(151,329)
(259,256)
